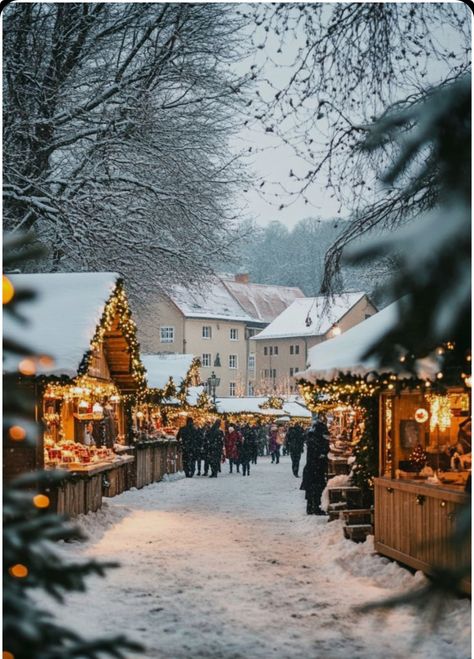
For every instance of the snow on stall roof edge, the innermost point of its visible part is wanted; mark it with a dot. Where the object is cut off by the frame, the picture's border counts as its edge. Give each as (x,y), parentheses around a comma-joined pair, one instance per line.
(62,318)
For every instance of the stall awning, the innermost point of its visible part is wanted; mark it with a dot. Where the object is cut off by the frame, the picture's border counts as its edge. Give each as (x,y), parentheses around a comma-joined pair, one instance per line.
(251,405)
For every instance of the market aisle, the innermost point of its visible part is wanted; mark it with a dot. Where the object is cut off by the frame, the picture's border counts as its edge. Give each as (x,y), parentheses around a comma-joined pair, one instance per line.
(232,567)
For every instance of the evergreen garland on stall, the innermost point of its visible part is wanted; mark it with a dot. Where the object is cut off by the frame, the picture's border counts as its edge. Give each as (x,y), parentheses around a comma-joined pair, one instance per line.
(31,561)
(366,452)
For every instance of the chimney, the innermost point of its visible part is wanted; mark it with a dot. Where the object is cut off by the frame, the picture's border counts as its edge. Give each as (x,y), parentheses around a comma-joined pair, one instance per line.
(242,278)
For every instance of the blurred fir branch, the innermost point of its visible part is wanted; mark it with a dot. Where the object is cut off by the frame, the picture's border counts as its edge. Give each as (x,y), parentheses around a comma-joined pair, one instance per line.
(31,559)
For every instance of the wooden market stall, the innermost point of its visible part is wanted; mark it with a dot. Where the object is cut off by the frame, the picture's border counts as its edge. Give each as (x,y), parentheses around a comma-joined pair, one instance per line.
(86,373)
(174,392)
(423,439)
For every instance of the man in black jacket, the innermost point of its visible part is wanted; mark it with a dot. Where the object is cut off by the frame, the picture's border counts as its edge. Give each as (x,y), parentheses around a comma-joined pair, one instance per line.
(214,446)
(316,468)
(295,444)
(187,438)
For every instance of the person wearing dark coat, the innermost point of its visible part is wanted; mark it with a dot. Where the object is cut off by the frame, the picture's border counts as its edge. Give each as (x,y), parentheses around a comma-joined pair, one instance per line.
(251,435)
(215,443)
(199,449)
(295,443)
(187,438)
(244,450)
(316,468)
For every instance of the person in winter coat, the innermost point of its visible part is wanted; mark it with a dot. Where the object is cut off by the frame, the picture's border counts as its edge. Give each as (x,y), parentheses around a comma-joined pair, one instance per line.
(187,438)
(231,438)
(316,468)
(199,449)
(244,450)
(274,445)
(215,444)
(251,436)
(295,444)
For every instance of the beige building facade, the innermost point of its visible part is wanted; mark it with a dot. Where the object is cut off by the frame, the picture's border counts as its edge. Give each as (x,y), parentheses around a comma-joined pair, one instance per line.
(281,349)
(217,325)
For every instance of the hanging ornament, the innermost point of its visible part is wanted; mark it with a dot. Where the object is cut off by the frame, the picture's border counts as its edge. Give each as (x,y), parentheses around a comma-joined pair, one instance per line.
(421,415)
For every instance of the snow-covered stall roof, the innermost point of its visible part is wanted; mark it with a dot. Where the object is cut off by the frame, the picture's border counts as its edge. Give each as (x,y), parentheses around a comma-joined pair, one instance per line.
(251,405)
(323,313)
(212,301)
(160,368)
(245,405)
(262,301)
(63,317)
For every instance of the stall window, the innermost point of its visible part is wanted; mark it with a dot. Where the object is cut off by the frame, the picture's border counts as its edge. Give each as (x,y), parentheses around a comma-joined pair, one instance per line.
(166,334)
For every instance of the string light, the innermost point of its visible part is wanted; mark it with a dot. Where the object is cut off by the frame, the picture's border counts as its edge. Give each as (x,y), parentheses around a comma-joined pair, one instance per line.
(18,571)
(440,412)
(8,290)
(17,433)
(41,501)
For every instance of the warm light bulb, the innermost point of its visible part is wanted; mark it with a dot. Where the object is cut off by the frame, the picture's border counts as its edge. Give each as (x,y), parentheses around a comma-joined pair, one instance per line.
(8,290)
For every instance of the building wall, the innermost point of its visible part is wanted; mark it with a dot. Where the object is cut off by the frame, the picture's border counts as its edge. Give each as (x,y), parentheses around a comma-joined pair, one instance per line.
(278,369)
(220,342)
(165,314)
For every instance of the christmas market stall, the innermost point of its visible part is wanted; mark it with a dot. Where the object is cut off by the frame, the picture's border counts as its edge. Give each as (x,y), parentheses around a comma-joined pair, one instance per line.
(84,377)
(415,448)
(261,409)
(174,393)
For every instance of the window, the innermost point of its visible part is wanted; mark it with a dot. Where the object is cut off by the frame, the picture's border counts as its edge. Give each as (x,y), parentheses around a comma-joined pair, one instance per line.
(166,334)
(234,334)
(251,362)
(206,332)
(271,350)
(265,350)
(232,361)
(368,315)
(231,388)
(292,349)
(292,370)
(273,373)
(275,350)
(251,389)
(206,359)
(297,350)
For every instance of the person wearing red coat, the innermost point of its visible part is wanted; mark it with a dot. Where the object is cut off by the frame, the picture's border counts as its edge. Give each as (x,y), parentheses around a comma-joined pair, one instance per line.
(232,436)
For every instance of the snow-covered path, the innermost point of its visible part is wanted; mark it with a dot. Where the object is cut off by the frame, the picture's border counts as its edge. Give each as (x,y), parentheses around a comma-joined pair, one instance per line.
(233,568)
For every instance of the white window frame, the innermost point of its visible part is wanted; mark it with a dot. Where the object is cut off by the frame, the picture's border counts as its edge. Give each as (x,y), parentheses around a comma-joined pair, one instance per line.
(232,388)
(251,364)
(166,334)
(235,359)
(234,331)
(204,332)
(203,360)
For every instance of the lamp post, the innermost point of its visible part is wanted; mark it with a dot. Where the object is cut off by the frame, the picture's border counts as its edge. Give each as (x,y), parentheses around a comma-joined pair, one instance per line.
(213,381)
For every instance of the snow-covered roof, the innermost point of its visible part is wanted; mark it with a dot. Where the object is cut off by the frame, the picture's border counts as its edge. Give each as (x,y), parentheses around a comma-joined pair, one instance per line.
(212,301)
(344,353)
(261,301)
(323,313)
(62,318)
(251,405)
(160,368)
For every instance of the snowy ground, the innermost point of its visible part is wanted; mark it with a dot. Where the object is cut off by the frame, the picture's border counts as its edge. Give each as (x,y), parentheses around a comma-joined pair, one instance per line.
(232,568)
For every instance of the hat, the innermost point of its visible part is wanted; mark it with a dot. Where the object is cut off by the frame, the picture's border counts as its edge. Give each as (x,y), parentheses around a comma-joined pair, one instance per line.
(231,428)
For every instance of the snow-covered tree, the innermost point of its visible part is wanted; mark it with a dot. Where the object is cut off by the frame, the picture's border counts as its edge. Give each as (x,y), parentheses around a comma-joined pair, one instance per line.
(117,121)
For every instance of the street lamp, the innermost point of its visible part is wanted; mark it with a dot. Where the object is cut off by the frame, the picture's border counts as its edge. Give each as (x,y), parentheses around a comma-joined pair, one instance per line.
(213,381)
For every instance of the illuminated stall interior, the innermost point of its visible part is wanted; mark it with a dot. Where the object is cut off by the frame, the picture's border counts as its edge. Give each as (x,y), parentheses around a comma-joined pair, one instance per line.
(83,321)
(427,436)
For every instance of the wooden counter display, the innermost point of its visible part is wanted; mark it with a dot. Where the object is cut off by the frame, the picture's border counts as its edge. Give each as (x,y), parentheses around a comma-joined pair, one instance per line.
(414,522)
(82,489)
